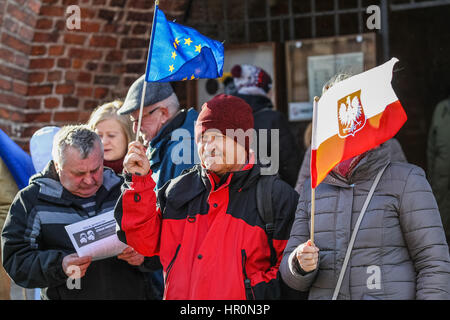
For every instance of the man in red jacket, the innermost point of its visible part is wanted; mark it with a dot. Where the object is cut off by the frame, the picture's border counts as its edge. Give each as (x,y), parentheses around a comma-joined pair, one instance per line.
(204,225)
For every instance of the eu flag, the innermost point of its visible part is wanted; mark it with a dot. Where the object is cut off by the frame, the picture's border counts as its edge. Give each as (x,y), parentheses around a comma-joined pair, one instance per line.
(178,52)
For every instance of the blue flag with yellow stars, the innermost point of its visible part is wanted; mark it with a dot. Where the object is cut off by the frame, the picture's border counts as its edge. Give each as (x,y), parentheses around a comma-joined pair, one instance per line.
(178,52)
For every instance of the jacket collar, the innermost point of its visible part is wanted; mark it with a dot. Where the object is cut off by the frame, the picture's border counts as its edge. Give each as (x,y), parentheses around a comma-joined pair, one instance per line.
(182,193)
(176,122)
(183,119)
(236,180)
(51,189)
(366,169)
(257,102)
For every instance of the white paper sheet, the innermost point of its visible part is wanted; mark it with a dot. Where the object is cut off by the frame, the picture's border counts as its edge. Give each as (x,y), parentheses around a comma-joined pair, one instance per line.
(96,237)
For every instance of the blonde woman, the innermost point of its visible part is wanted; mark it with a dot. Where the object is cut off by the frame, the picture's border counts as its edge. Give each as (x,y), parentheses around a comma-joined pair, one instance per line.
(114,130)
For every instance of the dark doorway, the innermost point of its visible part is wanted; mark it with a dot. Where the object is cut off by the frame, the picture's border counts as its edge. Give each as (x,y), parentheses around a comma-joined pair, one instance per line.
(420,39)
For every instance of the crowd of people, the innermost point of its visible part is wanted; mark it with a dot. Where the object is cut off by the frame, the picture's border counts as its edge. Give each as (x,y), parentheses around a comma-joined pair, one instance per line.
(202,220)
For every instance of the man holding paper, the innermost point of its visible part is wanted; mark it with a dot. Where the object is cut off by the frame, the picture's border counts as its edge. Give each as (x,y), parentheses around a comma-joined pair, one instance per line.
(377,232)
(73,190)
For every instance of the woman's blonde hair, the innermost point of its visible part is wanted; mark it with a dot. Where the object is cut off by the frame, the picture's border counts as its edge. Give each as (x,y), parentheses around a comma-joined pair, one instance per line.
(109,111)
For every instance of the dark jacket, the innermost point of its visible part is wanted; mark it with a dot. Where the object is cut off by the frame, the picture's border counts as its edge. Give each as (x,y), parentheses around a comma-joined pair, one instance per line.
(209,236)
(266,117)
(400,250)
(35,242)
(173,150)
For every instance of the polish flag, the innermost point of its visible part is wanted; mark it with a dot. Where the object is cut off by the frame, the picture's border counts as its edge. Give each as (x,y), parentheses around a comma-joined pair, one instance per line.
(353,116)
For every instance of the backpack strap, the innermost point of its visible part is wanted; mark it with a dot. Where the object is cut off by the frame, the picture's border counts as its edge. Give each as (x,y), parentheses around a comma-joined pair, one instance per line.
(264,205)
(264,202)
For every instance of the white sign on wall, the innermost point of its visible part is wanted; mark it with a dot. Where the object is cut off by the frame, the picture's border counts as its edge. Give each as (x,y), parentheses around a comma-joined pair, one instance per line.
(300,111)
(323,68)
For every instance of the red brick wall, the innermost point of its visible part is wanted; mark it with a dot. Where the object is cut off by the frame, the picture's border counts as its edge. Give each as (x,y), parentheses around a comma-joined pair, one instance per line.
(17,21)
(52,75)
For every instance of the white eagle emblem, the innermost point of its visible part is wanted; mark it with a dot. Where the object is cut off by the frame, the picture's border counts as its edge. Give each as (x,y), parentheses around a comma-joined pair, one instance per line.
(350,114)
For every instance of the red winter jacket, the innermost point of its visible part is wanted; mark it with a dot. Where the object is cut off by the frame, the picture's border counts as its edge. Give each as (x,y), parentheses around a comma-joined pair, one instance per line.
(210,240)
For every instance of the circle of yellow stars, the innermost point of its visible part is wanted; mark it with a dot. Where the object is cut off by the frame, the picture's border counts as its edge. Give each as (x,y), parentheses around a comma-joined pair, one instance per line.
(176,43)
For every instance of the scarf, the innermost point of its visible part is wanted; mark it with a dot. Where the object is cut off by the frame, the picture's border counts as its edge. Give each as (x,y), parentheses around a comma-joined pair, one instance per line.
(116,165)
(344,168)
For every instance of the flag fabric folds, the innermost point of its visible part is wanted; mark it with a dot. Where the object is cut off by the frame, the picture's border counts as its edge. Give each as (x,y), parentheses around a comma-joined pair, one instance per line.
(19,162)
(178,52)
(353,116)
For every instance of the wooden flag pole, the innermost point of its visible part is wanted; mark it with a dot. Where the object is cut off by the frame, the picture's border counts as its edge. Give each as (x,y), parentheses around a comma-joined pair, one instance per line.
(313,190)
(144,87)
(313,207)
(141,108)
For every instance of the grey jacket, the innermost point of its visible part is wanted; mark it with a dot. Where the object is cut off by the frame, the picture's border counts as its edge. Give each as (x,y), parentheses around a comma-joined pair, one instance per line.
(400,251)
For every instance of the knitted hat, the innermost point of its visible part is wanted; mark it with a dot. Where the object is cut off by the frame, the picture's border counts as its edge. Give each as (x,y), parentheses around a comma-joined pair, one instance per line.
(226,112)
(249,79)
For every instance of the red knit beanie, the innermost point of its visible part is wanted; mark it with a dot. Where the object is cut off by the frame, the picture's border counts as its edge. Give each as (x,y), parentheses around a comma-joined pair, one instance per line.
(225,112)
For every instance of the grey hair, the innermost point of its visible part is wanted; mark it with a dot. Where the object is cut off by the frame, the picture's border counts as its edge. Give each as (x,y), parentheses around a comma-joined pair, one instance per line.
(80,137)
(172,103)
(335,79)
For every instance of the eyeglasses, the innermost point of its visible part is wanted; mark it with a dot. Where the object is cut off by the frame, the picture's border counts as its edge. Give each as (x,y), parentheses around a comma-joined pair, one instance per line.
(149,113)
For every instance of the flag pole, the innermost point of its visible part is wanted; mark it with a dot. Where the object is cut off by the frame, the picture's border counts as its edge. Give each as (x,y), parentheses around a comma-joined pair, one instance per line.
(144,87)
(313,190)
(313,205)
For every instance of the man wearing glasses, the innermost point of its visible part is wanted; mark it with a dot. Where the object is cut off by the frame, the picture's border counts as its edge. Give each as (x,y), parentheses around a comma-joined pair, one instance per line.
(167,131)
(168,134)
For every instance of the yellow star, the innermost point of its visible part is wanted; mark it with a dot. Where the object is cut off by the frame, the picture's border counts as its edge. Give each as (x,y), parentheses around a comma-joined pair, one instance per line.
(187,41)
(174,55)
(176,43)
(171,68)
(192,77)
(198,48)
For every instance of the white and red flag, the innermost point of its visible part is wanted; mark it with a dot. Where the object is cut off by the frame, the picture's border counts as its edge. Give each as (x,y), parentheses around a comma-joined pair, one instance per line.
(353,116)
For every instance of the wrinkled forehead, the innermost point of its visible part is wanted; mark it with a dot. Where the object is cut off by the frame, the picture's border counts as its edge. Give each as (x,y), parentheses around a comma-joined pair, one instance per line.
(73,155)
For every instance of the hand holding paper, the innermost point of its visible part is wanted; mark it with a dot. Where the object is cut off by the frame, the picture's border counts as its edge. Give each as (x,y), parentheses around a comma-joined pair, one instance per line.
(75,266)
(96,237)
(131,256)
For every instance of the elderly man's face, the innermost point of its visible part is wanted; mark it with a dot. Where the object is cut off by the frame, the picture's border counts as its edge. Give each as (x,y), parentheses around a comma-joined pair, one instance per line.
(81,177)
(219,153)
(153,119)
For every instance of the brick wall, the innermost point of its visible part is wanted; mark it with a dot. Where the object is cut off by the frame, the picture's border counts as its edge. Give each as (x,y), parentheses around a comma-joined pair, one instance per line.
(17,20)
(52,75)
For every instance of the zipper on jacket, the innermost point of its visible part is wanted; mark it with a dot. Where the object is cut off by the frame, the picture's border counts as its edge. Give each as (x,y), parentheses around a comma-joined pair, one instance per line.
(247,283)
(172,262)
